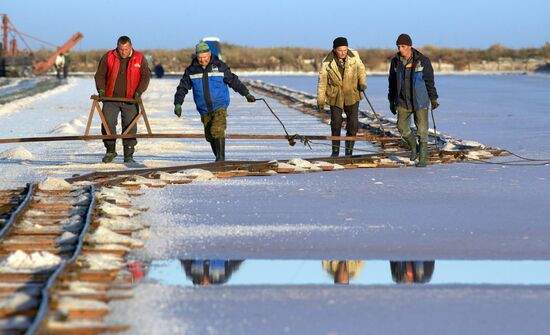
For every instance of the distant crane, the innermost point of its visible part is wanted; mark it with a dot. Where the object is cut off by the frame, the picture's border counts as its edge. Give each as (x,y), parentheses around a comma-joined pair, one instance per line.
(17,63)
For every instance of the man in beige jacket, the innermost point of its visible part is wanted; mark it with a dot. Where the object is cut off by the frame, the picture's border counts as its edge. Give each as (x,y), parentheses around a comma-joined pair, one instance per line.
(341,80)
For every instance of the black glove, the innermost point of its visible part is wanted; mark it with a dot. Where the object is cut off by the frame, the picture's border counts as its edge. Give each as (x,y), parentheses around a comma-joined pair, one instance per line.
(250,98)
(435,104)
(101,93)
(321,108)
(177,110)
(392,108)
(362,87)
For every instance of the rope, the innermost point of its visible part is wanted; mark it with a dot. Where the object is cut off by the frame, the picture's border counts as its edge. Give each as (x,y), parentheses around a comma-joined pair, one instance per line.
(291,140)
(375,114)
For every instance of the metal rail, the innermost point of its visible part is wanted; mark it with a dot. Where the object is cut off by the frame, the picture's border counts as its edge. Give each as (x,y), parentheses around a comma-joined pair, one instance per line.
(15,214)
(45,302)
(167,135)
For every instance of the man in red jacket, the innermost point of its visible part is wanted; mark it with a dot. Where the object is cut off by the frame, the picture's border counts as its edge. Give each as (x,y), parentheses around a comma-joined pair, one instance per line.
(121,73)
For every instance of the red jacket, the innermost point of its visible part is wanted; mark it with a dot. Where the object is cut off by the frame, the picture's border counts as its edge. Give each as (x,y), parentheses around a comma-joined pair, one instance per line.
(133,73)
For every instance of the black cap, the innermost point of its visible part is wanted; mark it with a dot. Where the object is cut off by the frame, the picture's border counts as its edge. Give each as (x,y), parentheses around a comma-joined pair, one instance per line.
(339,42)
(404,39)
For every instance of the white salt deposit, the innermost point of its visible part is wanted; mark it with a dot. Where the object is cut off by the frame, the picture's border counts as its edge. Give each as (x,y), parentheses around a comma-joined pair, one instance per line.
(52,183)
(334,165)
(66,238)
(82,287)
(171,176)
(472,144)
(18,301)
(17,322)
(120,223)
(302,163)
(37,261)
(67,304)
(73,127)
(116,194)
(104,235)
(102,261)
(17,153)
(198,174)
(449,147)
(112,247)
(479,154)
(114,210)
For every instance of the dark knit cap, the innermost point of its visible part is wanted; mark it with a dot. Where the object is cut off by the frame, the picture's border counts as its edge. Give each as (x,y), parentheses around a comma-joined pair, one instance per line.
(404,39)
(339,42)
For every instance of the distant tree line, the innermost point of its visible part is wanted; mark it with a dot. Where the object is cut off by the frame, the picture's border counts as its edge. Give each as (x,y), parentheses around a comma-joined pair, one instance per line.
(307,59)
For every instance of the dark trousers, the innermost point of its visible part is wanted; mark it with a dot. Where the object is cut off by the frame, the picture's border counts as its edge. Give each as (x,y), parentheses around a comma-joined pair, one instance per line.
(352,119)
(128,113)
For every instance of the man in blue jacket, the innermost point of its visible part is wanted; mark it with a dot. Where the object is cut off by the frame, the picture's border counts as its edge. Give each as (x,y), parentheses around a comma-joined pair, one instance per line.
(411,91)
(209,77)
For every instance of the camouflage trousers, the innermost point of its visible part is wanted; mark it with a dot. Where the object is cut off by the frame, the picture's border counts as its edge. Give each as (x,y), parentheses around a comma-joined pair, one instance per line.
(215,124)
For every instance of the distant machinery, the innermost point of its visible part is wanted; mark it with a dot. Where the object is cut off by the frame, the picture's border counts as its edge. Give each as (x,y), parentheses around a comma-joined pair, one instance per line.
(21,63)
(214,45)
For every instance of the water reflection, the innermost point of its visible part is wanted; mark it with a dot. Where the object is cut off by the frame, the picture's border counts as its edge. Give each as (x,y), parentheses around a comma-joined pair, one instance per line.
(407,272)
(353,272)
(210,271)
(343,270)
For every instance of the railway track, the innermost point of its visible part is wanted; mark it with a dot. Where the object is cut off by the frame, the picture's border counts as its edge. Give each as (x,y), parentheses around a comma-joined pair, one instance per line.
(53,277)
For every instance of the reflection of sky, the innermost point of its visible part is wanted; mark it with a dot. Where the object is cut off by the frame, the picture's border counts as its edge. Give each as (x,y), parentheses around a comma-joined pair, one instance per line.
(292,272)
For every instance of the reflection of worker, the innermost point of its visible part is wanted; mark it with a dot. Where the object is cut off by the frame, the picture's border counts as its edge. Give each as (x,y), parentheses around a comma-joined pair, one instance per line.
(138,270)
(209,77)
(59,64)
(122,73)
(406,272)
(343,271)
(341,80)
(210,271)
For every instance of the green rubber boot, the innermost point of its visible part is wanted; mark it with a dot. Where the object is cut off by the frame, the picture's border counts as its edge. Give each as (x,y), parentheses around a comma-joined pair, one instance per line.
(411,141)
(423,155)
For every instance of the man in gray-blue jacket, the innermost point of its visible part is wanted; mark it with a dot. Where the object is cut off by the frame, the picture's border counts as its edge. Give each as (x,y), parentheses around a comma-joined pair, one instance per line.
(209,78)
(411,91)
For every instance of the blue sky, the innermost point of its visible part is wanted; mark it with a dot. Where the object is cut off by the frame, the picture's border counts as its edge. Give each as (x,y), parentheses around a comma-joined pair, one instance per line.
(173,24)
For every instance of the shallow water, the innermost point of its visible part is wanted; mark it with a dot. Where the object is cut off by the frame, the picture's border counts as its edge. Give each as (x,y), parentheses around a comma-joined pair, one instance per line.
(354,272)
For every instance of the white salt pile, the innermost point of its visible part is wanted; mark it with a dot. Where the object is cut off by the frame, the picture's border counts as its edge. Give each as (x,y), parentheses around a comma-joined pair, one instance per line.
(114,210)
(17,153)
(334,165)
(67,304)
(197,174)
(302,163)
(52,183)
(104,235)
(101,261)
(20,261)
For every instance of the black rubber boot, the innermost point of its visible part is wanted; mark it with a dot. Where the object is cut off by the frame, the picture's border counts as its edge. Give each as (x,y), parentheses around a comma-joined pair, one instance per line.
(129,154)
(349,147)
(110,154)
(423,155)
(411,141)
(219,144)
(213,146)
(335,148)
